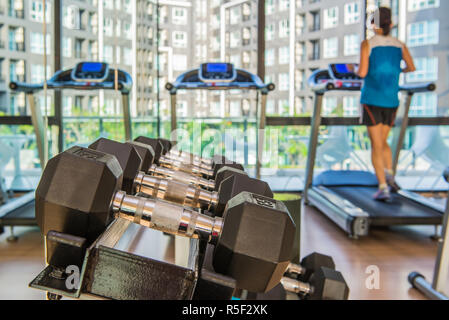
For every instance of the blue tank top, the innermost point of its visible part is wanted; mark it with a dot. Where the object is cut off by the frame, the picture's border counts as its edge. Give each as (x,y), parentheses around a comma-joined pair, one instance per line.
(381,85)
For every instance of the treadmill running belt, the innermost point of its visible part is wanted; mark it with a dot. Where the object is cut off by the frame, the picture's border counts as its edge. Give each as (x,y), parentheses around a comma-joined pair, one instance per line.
(401,211)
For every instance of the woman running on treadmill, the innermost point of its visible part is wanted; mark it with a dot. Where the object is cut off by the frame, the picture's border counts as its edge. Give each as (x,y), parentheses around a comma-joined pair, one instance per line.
(380,66)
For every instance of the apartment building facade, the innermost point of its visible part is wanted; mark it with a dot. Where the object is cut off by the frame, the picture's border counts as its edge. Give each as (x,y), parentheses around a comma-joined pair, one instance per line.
(157,40)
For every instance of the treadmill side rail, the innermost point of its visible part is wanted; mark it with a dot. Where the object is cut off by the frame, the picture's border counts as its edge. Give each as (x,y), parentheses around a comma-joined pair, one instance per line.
(346,215)
(422,200)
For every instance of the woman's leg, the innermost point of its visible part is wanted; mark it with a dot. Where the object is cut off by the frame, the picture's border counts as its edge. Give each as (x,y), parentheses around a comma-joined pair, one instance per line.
(387,154)
(388,161)
(376,134)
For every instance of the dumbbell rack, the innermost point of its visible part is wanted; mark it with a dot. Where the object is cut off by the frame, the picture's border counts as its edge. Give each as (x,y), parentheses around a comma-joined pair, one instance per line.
(120,265)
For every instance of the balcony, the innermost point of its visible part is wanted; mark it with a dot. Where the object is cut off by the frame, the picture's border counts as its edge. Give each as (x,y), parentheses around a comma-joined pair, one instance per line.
(80,55)
(19,14)
(315,28)
(17,46)
(314,56)
(18,78)
(2,44)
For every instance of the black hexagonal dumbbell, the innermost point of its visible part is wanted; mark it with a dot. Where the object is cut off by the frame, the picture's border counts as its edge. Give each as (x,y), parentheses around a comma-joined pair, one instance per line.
(188,165)
(324,284)
(135,181)
(309,264)
(79,194)
(302,272)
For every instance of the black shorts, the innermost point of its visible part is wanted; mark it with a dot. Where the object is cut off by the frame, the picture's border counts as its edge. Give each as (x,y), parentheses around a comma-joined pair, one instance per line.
(372,116)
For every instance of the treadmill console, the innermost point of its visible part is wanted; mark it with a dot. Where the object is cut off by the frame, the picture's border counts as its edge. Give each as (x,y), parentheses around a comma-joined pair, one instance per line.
(90,72)
(217,72)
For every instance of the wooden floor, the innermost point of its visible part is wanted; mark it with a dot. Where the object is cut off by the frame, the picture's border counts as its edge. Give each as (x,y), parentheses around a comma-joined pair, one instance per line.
(396,252)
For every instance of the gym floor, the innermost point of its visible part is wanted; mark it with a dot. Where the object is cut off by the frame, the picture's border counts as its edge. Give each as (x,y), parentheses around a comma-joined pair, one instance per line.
(396,252)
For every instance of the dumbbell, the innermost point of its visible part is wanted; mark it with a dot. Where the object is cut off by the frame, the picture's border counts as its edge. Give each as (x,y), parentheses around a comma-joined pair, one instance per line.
(324,284)
(309,265)
(208,172)
(79,194)
(148,155)
(135,181)
(184,156)
(294,272)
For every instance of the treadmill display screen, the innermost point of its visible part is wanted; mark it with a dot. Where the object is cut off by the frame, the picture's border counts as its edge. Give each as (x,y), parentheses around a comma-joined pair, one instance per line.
(345,71)
(90,72)
(217,72)
(217,67)
(91,67)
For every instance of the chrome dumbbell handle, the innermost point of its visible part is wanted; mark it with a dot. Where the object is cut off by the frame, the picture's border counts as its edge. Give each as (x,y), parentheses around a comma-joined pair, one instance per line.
(295,286)
(166,217)
(185,167)
(181,176)
(175,191)
(178,154)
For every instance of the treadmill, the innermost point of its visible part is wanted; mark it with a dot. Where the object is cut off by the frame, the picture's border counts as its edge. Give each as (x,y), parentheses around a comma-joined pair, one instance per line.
(84,76)
(346,196)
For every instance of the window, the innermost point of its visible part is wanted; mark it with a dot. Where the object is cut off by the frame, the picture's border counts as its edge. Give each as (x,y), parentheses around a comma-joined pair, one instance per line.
(269,7)
(426,70)
(329,105)
(284,28)
(284,107)
(235,109)
(108,54)
(284,5)
(37,43)
(415,5)
(235,39)
(71,17)
(67,47)
(423,33)
(424,104)
(179,15)
(269,57)
(270,106)
(284,81)
(235,15)
(352,13)
(351,106)
(108,27)
(108,4)
(330,48)
(330,18)
(235,60)
(127,56)
(179,39)
(179,62)
(300,79)
(352,45)
(269,32)
(284,55)
(37,9)
(37,73)
(118,56)
(128,30)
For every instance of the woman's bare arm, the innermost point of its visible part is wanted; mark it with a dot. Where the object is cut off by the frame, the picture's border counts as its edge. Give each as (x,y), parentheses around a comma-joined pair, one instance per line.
(410,65)
(364,60)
